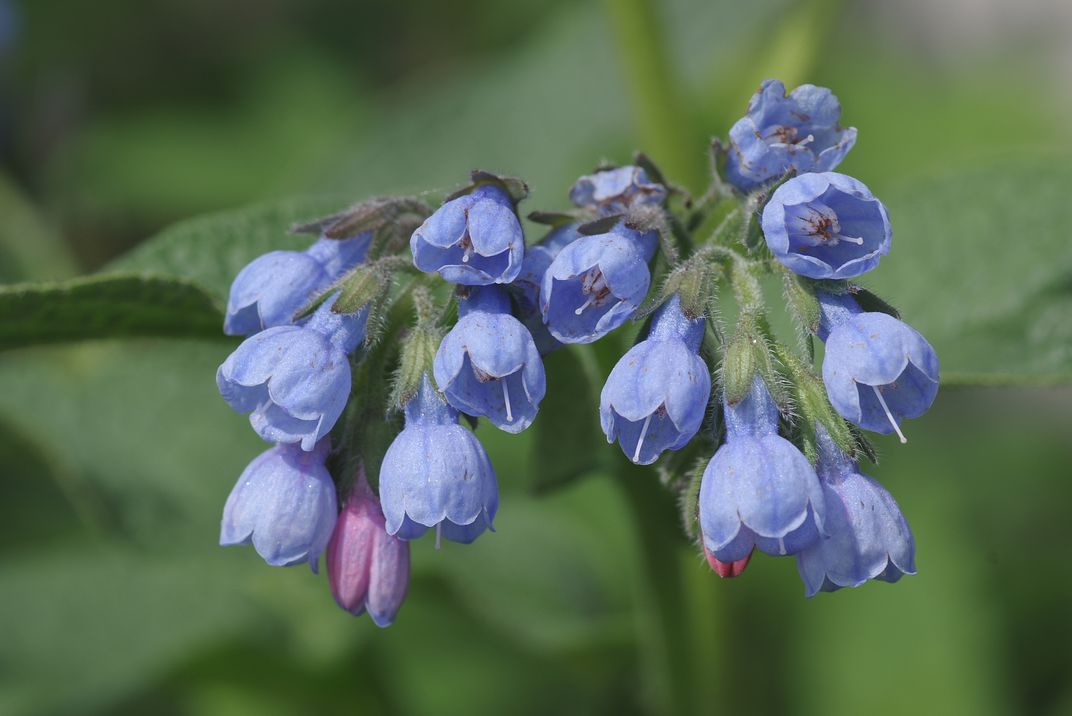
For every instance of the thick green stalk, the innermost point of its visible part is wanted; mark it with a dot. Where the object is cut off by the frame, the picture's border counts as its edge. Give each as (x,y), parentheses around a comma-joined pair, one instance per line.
(667,653)
(666,123)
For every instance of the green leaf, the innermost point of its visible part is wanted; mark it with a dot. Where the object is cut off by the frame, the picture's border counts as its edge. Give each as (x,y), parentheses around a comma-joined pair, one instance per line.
(212,249)
(981,266)
(105,307)
(567,441)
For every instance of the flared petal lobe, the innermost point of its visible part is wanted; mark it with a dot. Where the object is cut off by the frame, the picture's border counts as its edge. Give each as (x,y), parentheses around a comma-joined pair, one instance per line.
(436,475)
(879,372)
(826,226)
(284,505)
(594,285)
(868,536)
(656,395)
(615,191)
(474,240)
(799,131)
(488,365)
(294,380)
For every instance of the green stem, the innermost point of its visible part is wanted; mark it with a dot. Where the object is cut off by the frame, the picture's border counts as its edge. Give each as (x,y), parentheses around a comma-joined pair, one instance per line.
(666,651)
(666,124)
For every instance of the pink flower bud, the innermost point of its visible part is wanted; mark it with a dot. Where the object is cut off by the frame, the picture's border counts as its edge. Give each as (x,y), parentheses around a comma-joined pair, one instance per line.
(368,569)
(725,569)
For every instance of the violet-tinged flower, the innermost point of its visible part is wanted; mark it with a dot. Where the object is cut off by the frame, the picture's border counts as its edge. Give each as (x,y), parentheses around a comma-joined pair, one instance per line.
(474,240)
(275,286)
(488,364)
(878,370)
(826,226)
(656,396)
(615,191)
(595,284)
(799,131)
(294,380)
(368,569)
(436,474)
(868,536)
(284,504)
(758,490)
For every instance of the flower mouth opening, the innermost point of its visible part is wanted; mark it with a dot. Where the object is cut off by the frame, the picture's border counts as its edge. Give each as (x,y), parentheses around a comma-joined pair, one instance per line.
(781,134)
(594,286)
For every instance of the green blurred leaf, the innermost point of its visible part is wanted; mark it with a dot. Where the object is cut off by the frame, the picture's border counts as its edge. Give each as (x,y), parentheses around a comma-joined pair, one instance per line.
(567,439)
(29,248)
(212,249)
(105,307)
(982,266)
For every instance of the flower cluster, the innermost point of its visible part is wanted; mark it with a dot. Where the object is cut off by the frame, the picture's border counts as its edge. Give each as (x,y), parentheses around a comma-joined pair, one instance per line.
(370,356)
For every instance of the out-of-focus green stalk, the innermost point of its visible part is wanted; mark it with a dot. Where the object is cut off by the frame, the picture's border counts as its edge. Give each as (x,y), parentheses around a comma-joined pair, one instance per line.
(666,121)
(667,656)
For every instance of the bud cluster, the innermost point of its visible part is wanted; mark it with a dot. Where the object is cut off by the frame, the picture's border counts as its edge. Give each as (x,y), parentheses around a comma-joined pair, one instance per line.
(781,441)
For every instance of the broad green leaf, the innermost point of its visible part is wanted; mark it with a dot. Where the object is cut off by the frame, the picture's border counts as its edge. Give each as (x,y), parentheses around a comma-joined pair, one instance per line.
(212,249)
(107,306)
(982,266)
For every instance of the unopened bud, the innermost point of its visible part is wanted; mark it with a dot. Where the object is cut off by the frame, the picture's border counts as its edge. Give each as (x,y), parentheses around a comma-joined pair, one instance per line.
(726,570)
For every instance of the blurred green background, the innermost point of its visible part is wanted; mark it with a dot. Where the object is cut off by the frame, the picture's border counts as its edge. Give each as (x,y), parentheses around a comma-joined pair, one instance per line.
(120,117)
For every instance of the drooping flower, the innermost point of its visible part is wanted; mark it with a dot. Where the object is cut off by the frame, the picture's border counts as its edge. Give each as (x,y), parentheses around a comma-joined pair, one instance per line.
(656,396)
(474,239)
(868,536)
(275,286)
(284,505)
(800,131)
(758,490)
(878,370)
(294,380)
(595,284)
(368,569)
(529,283)
(436,475)
(488,364)
(826,225)
(615,191)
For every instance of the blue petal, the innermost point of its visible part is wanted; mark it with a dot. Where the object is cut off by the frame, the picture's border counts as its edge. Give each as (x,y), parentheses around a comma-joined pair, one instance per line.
(284,503)
(868,536)
(859,213)
(875,350)
(433,473)
(614,191)
(764,484)
(270,290)
(627,277)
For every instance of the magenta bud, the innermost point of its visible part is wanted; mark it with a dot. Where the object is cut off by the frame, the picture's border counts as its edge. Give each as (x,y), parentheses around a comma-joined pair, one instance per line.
(726,570)
(368,569)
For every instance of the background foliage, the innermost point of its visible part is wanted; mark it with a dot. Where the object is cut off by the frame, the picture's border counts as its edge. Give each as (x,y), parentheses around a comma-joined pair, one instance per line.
(118,118)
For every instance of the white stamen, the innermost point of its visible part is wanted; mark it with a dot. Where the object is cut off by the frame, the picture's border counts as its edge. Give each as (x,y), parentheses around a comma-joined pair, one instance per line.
(889,415)
(806,140)
(858,240)
(589,302)
(640,442)
(438,534)
(468,254)
(781,545)
(506,397)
